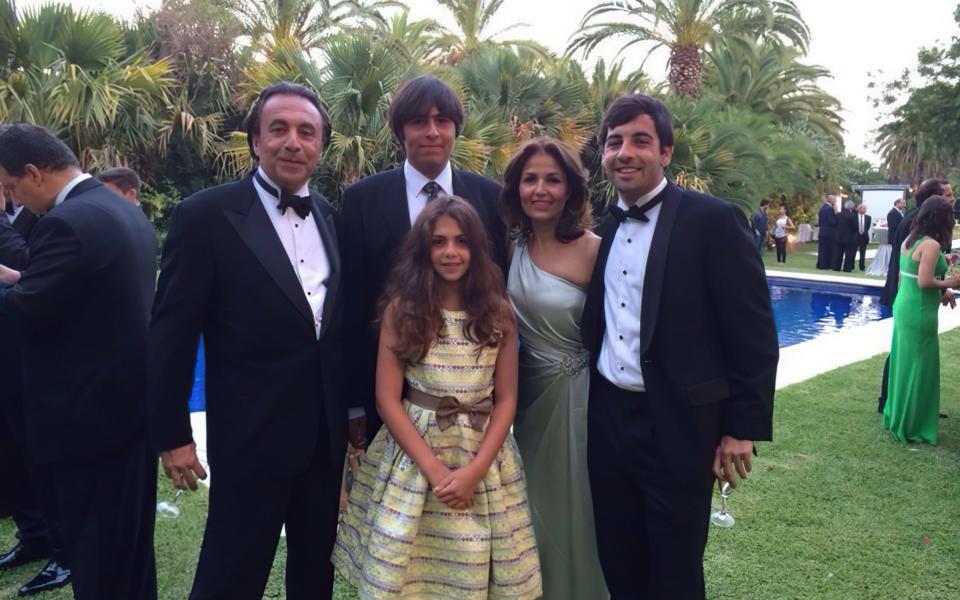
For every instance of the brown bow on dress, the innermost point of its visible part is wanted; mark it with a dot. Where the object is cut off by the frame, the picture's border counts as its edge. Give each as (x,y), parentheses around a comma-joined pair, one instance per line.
(448,407)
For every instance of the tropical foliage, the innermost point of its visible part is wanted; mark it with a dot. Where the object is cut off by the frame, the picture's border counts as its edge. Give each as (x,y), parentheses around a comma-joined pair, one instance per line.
(167,94)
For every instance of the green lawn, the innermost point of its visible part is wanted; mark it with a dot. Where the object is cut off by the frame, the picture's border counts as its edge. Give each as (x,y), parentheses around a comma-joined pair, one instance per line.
(833,509)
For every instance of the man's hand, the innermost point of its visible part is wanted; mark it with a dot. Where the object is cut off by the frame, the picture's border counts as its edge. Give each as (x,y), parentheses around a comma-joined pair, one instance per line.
(948,298)
(357,432)
(732,455)
(8,275)
(182,466)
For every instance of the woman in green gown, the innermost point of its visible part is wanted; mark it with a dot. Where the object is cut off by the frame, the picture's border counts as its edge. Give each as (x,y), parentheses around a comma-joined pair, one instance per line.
(913,397)
(544,200)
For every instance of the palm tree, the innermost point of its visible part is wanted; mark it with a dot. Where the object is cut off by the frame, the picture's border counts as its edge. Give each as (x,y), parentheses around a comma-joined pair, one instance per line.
(767,79)
(473,19)
(67,71)
(307,22)
(687,27)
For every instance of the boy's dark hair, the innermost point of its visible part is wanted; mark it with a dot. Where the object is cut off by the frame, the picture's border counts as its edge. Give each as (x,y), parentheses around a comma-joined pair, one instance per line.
(292,89)
(415,97)
(627,108)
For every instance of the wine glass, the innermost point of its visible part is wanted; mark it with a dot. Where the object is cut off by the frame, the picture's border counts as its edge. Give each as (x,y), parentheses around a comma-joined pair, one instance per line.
(168,508)
(722,518)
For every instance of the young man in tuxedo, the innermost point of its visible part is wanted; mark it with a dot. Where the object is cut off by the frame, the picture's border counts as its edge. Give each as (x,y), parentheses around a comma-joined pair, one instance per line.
(82,305)
(893,219)
(684,358)
(846,238)
(426,117)
(254,266)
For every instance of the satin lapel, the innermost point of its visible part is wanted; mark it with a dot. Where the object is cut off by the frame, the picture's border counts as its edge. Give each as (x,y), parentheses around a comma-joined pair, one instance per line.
(656,264)
(392,201)
(593,321)
(257,232)
(328,233)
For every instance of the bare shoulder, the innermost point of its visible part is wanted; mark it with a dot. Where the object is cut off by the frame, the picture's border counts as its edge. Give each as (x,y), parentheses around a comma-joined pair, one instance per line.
(591,244)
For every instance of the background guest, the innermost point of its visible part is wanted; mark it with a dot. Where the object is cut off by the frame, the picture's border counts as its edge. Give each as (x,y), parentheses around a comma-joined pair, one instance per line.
(781,226)
(893,219)
(846,238)
(910,415)
(826,233)
(544,201)
(83,303)
(758,221)
(123,181)
(863,234)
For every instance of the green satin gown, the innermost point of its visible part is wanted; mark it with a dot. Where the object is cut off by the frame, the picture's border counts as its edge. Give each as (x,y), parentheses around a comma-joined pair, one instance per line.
(551,428)
(913,392)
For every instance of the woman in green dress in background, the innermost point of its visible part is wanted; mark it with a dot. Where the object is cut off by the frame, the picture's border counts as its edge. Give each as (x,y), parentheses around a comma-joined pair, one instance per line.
(913,400)
(544,199)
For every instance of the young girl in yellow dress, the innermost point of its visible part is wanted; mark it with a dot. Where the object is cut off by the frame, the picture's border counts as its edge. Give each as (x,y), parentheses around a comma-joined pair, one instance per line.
(439,507)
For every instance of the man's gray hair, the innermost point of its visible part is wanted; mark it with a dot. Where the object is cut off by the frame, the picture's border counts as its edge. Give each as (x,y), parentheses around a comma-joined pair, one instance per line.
(848,205)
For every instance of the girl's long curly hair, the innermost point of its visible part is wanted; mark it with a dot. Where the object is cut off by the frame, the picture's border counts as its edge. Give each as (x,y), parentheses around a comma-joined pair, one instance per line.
(934,219)
(413,288)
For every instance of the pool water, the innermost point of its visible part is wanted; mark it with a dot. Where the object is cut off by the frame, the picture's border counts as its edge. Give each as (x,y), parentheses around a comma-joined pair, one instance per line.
(803,310)
(806,310)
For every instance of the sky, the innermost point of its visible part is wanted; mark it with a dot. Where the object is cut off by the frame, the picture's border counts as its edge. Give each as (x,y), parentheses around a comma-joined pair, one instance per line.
(851,38)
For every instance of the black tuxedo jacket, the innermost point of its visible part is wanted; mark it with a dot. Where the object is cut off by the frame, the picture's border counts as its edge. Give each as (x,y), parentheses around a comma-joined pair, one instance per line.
(375,220)
(83,306)
(862,238)
(893,222)
(274,391)
(826,222)
(14,250)
(847,227)
(892,284)
(708,345)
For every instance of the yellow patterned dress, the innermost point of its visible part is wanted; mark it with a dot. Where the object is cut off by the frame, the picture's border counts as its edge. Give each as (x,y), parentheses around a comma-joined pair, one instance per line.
(398,540)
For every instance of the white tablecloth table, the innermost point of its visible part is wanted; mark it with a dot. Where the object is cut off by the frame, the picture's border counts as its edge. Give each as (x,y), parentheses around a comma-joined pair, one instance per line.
(881,260)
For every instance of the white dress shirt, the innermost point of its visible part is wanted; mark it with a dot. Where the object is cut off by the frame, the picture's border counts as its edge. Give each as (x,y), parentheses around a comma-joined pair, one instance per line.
(301,240)
(69,188)
(16,213)
(415,180)
(619,359)
(861,223)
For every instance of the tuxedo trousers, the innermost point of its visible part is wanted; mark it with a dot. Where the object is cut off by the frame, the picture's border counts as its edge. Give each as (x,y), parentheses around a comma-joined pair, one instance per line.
(825,251)
(651,525)
(27,490)
(862,252)
(107,509)
(246,514)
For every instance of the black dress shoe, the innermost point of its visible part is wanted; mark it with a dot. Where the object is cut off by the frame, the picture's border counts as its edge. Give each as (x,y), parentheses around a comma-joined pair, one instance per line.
(22,554)
(51,577)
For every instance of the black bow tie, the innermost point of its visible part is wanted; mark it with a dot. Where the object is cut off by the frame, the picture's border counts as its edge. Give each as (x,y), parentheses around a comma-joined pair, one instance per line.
(10,209)
(635,212)
(300,204)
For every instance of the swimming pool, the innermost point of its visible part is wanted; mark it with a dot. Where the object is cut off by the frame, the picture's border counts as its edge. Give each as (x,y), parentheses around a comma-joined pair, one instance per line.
(805,310)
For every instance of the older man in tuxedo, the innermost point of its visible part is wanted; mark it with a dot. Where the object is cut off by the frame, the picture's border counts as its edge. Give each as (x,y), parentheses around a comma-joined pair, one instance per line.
(254,266)
(82,304)
(426,116)
(684,360)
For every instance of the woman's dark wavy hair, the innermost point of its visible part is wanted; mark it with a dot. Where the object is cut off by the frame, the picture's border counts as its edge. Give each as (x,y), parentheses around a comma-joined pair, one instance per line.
(413,288)
(934,219)
(576,217)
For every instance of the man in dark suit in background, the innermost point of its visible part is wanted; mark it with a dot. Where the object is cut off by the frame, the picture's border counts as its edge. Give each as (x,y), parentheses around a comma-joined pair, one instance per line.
(27,490)
(254,266)
(846,238)
(893,219)
(931,187)
(758,221)
(426,117)
(863,234)
(684,360)
(826,233)
(82,305)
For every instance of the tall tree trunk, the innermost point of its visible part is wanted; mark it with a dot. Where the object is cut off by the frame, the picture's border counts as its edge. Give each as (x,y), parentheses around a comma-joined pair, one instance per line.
(686,71)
